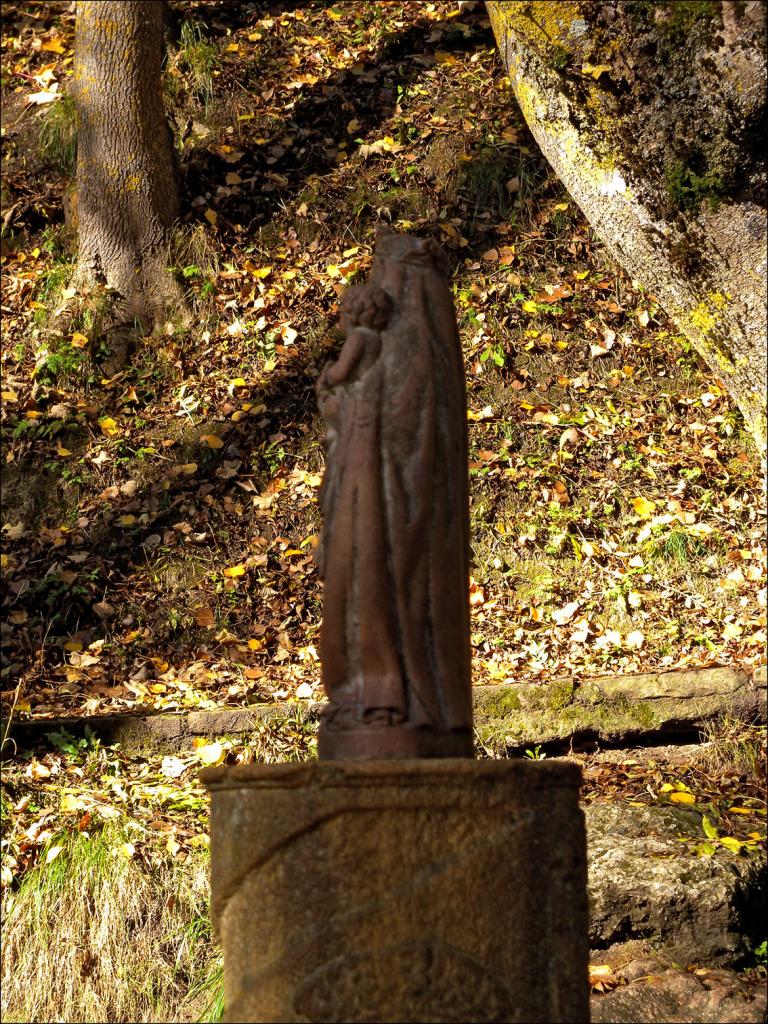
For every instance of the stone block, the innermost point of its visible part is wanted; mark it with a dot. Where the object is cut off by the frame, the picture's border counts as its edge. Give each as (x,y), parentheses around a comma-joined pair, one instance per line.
(419,890)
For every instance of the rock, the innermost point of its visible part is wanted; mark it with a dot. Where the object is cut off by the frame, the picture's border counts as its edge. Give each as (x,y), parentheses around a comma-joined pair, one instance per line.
(645,883)
(679,997)
(614,709)
(508,717)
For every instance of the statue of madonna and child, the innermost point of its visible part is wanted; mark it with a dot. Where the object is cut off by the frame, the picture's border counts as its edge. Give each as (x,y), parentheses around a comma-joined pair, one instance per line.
(394,554)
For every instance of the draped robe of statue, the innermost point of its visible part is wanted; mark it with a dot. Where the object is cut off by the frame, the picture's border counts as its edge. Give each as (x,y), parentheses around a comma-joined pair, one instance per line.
(394,556)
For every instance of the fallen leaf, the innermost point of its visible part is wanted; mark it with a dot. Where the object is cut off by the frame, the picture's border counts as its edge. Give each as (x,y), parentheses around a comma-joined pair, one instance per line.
(211,753)
(682,798)
(595,70)
(644,507)
(108,426)
(485,414)
(44,96)
(234,571)
(211,440)
(730,843)
(204,618)
(172,767)
(566,613)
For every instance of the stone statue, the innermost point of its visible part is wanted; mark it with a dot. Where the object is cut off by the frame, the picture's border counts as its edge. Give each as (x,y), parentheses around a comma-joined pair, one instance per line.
(394,556)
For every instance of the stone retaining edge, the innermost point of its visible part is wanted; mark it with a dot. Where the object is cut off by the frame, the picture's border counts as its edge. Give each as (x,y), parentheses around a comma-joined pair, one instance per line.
(609,708)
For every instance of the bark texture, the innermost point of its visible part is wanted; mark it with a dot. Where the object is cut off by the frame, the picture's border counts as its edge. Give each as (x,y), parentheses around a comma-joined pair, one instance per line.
(126,192)
(653,116)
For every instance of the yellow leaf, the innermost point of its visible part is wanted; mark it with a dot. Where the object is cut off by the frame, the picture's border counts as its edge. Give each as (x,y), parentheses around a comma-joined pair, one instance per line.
(255,645)
(109,426)
(69,802)
(189,468)
(257,272)
(10,396)
(238,382)
(62,452)
(732,631)
(126,520)
(79,340)
(529,306)
(73,645)
(485,414)
(126,850)
(53,46)
(210,216)
(233,178)
(581,274)
(211,753)
(595,70)
(739,810)
(211,440)
(235,570)
(732,844)
(644,507)
(667,787)
(683,798)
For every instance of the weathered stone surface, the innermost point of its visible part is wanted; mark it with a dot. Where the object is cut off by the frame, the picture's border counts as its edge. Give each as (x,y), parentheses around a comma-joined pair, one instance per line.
(161,732)
(394,557)
(658,995)
(614,709)
(422,890)
(645,883)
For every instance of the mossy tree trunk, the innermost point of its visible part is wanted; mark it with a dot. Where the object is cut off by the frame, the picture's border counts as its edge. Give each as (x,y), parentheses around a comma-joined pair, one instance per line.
(653,115)
(126,189)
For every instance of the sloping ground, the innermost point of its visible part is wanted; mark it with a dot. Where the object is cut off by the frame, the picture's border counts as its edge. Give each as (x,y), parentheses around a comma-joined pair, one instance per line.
(159,521)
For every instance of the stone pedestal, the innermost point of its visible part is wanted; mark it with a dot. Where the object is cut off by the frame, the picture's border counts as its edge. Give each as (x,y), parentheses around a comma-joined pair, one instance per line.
(401,891)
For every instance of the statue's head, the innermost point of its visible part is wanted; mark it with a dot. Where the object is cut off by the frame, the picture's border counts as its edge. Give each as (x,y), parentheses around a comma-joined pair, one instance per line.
(365,306)
(425,252)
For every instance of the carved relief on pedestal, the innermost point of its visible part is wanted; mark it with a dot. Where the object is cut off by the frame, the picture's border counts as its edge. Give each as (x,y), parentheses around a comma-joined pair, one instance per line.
(428,982)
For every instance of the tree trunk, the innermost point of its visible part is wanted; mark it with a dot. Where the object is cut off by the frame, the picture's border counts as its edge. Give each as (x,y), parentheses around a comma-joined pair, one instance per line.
(653,116)
(126,192)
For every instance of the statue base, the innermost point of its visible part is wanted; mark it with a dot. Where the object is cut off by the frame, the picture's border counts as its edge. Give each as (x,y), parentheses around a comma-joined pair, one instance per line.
(391,741)
(400,891)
